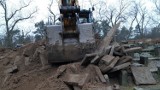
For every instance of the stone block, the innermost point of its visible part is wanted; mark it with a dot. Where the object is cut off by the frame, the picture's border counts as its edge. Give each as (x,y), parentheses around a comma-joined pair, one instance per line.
(144,60)
(123,78)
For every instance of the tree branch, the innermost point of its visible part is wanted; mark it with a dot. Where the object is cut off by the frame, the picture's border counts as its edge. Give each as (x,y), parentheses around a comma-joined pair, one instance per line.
(21,19)
(14,13)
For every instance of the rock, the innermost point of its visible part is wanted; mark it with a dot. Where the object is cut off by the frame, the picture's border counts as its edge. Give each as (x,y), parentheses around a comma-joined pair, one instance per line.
(116,87)
(13,69)
(77,79)
(107,78)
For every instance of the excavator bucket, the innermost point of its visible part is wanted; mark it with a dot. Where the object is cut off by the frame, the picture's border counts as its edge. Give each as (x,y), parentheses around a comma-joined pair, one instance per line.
(70,49)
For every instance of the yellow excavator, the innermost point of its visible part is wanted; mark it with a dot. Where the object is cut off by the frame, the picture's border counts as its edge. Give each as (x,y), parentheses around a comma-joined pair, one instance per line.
(74,37)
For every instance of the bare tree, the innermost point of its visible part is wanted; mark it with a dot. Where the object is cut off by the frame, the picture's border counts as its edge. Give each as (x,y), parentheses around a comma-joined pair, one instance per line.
(141,16)
(54,19)
(13,18)
(118,13)
(157,4)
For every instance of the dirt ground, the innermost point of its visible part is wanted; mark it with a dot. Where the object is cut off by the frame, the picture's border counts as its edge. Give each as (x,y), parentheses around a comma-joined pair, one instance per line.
(28,76)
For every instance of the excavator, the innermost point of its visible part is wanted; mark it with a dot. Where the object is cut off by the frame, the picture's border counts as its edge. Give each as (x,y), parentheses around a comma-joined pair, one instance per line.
(74,37)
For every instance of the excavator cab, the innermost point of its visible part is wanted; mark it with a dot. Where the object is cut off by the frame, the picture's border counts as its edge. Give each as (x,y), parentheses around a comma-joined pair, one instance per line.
(71,40)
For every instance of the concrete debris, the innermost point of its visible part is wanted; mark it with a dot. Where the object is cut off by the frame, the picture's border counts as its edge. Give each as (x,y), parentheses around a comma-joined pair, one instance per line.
(77,79)
(119,67)
(143,76)
(133,49)
(13,69)
(100,75)
(95,71)
(116,87)
(88,58)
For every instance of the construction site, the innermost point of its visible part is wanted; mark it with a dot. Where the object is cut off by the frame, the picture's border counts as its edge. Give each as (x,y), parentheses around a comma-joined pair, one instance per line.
(71,56)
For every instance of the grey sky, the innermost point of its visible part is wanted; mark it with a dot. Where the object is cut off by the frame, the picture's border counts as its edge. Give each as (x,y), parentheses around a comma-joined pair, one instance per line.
(43,13)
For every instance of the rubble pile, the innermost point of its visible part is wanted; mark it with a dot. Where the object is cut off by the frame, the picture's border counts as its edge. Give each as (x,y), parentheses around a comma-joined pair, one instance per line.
(92,73)
(26,68)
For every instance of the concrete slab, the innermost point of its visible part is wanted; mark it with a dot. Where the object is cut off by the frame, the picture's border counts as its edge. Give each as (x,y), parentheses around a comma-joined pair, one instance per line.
(77,79)
(100,75)
(143,76)
(113,63)
(107,59)
(119,67)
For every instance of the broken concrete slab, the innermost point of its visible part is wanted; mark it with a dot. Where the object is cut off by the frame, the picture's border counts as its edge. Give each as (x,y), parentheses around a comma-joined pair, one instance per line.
(123,78)
(144,60)
(100,75)
(77,79)
(143,76)
(112,50)
(95,60)
(109,67)
(124,59)
(107,59)
(133,49)
(107,40)
(115,53)
(119,67)
(60,71)
(12,70)
(88,58)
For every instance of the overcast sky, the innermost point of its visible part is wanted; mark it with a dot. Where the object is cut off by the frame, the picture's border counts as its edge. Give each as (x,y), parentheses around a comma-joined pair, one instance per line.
(43,13)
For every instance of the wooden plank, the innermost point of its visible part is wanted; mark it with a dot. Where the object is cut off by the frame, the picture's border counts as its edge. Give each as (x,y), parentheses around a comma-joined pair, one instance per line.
(143,76)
